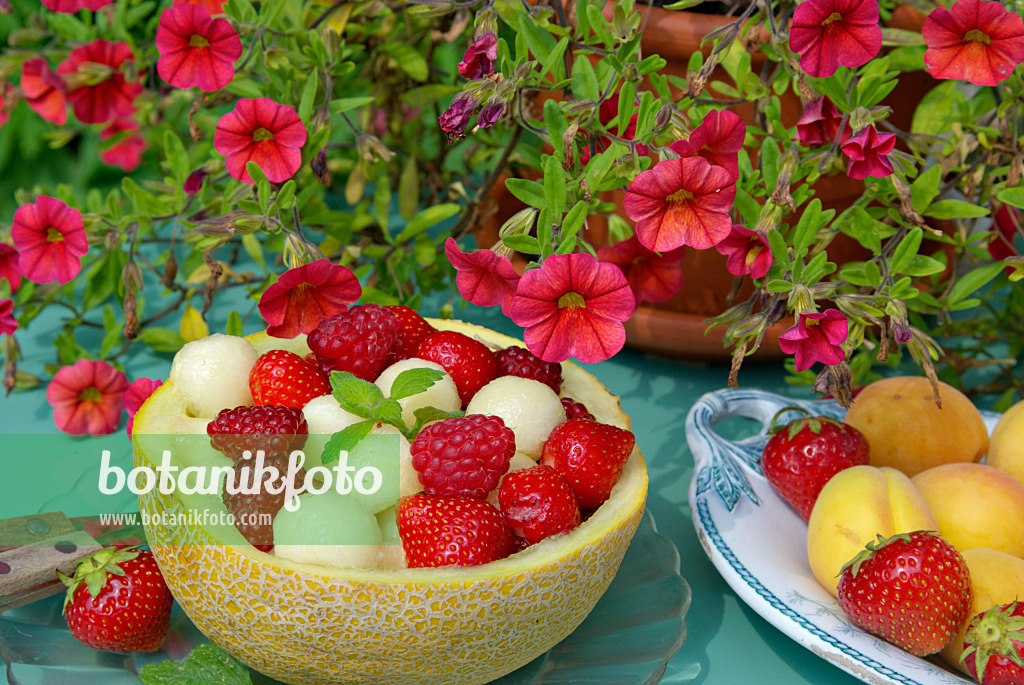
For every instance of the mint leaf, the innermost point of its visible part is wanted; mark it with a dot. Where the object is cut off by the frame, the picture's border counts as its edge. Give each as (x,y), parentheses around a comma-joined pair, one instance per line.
(345,440)
(414,381)
(355,395)
(425,415)
(207,664)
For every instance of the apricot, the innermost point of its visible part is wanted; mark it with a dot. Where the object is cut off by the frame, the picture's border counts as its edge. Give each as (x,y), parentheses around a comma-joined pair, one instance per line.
(855,506)
(975,506)
(1006,448)
(996,578)
(908,431)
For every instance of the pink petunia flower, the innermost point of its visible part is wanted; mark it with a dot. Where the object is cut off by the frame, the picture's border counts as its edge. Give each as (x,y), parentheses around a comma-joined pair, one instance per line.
(1005,228)
(828,34)
(195,49)
(868,152)
(136,395)
(306,295)
(747,252)
(816,338)
(8,324)
(44,91)
(484,277)
(651,276)
(97,88)
(72,6)
(262,131)
(681,202)
(211,6)
(87,398)
(194,183)
(819,123)
(573,306)
(126,153)
(718,139)
(479,58)
(9,266)
(979,41)
(50,240)
(453,121)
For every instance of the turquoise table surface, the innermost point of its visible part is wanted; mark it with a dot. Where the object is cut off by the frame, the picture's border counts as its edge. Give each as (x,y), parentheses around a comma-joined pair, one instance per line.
(726,644)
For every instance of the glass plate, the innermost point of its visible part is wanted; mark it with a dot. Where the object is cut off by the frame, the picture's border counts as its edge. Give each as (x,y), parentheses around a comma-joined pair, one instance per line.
(758,543)
(627,640)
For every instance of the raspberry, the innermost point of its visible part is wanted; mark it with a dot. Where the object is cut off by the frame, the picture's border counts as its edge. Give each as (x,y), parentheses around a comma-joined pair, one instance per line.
(576,410)
(358,340)
(464,456)
(519,361)
(250,510)
(275,430)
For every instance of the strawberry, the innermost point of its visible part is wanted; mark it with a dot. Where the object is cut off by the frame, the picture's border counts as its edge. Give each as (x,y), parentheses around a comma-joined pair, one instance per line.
(285,379)
(538,503)
(803,455)
(576,410)
(117,601)
(469,362)
(912,589)
(437,530)
(412,329)
(994,645)
(589,455)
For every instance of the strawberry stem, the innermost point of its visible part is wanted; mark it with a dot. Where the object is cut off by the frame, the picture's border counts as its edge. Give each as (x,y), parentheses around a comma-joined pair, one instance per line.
(996,632)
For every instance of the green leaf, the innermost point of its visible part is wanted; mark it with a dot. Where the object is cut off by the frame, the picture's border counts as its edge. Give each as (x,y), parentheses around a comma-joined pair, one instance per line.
(408,59)
(409,190)
(922,265)
(906,250)
(942,107)
(859,225)
(234,325)
(971,281)
(811,221)
(778,285)
(1012,196)
(539,41)
(177,158)
(584,80)
(925,187)
(364,399)
(414,381)
(780,251)
(955,209)
(425,415)
(553,62)
(161,339)
(427,218)
(345,440)
(554,187)
(346,104)
(522,243)
(308,96)
(256,173)
(530,192)
(626,105)
(207,664)
(429,94)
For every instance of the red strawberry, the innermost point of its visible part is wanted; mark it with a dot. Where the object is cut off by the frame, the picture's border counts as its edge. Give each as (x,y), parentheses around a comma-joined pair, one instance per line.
(358,340)
(446,531)
(285,379)
(913,589)
(802,456)
(469,362)
(117,601)
(464,456)
(275,430)
(576,410)
(538,503)
(994,645)
(519,361)
(590,456)
(412,329)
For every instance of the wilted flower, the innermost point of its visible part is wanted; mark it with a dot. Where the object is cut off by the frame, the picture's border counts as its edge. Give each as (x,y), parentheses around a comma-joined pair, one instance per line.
(490,114)
(194,183)
(87,397)
(454,120)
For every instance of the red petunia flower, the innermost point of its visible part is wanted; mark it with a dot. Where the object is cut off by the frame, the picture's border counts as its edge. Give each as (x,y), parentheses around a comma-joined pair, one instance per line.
(136,395)
(211,6)
(868,152)
(681,202)
(1005,228)
(126,153)
(819,124)
(8,324)
(9,266)
(979,41)
(718,139)
(262,131)
(816,338)
(87,398)
(44,91)
(651,276)
(479,58)
(484,277)
(195,49)
(50,239)
(97,88)
(573,306)
(306,295)
(607,113)
(828,34)
(72,6)
(747,251)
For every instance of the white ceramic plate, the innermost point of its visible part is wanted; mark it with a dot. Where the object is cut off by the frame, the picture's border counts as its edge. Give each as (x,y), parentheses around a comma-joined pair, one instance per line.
(758,543)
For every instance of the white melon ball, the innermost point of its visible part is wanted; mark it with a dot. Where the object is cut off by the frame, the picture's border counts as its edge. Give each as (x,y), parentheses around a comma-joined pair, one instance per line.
(518,462)
(442,394)
(530,408)
(328,529)
(408,478)
(213,373)
(324,416)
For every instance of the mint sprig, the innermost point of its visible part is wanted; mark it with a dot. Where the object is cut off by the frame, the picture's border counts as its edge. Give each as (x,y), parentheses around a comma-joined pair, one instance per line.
(365,400)
(346,440)
(414,381)
(207,664)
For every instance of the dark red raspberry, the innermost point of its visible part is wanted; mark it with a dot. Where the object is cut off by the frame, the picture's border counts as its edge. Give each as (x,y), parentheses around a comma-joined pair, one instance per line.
(275,430)
(464,456)
(576,410)
(519,361)
(412,329)
(358,340)
(254,513)
(538,503)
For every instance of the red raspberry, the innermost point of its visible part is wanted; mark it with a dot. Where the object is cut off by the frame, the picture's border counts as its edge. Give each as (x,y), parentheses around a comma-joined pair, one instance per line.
(519,361)
(413,328)
(469,362)
(275,430)
(358,340)
(538,503)
(464,456)
(445,531)
(254,513)
(576,410)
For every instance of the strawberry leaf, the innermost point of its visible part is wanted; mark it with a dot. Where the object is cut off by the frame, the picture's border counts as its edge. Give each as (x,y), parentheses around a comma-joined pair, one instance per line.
(414,381)
(345,440)
(206,664)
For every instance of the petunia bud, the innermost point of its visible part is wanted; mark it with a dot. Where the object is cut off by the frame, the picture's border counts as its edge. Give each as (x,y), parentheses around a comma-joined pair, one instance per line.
(194,183)
(490,114)
(453,120)
(10,348)
(131,316)
(319,166)
(520,223)
(663,119)
(131,276)
(626,166)
(801,301)
(170,270)
(836,380)
(897,312)
(486,21)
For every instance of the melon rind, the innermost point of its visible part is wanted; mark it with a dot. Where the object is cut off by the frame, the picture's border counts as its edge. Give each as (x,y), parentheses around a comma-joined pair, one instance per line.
(306,624)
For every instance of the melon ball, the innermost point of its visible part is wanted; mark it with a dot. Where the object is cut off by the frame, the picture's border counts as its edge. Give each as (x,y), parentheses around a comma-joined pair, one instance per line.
(213,373)
(518,462)
(408,478)
(324,416)
(329,529)
(393,556)
(442,394)
(530,408)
